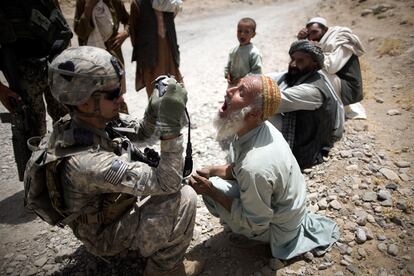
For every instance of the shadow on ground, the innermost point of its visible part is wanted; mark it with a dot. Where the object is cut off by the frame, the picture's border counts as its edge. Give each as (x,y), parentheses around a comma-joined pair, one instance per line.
(81,262)
(227,258)
(223,254)
(229,255)
(12,210)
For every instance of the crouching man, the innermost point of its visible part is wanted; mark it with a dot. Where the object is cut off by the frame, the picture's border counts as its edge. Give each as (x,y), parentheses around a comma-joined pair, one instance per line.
(100,185)
(261,194)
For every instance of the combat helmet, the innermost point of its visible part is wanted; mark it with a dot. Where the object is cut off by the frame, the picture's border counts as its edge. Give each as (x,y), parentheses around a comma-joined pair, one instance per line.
(78,72)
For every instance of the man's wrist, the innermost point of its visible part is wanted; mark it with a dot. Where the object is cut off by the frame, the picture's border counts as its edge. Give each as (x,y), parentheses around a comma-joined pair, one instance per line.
(211,171)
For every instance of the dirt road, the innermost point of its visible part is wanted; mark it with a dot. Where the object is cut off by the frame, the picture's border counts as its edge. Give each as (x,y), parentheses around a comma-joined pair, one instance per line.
(30,247)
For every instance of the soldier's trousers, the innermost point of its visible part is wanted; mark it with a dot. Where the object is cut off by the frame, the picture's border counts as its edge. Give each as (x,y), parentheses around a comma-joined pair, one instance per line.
(161,230)
(34,80)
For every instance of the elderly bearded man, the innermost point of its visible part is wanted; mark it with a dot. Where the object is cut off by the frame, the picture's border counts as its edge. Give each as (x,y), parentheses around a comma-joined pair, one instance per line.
(261,194)
(311,117)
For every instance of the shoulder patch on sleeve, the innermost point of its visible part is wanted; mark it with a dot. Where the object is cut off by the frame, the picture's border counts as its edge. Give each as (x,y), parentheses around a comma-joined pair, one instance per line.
(116,172)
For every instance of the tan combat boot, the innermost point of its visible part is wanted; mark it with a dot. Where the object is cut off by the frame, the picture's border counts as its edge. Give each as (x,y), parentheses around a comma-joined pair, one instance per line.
(186,268)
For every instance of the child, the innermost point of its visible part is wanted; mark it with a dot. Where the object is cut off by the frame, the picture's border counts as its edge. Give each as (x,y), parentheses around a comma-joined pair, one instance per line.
(245,58)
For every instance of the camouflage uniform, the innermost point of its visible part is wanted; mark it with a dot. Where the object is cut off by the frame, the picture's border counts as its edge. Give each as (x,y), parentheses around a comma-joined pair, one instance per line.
(161,228)
(93,171)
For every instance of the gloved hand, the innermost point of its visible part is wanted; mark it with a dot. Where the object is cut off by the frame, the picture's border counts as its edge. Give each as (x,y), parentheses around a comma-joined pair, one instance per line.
(147,127)
(151,112)
(171,107)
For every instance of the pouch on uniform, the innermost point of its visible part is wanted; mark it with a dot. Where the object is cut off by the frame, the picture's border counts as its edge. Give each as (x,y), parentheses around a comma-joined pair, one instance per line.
(42,186)
(36,192)
(43,191)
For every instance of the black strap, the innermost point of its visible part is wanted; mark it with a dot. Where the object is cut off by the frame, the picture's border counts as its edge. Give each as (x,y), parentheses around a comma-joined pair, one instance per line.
(188,162)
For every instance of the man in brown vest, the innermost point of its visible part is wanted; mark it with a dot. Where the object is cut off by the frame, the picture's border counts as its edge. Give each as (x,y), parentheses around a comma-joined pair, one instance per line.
(154,40)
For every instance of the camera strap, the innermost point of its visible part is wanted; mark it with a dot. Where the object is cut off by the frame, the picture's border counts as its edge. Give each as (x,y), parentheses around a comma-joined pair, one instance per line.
(188,161)
(161,85)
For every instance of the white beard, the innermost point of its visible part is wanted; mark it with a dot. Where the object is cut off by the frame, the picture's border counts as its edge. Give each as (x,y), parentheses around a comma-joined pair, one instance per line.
(228,127)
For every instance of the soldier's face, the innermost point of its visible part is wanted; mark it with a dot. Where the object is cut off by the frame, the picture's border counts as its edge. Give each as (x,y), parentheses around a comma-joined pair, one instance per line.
(110,102)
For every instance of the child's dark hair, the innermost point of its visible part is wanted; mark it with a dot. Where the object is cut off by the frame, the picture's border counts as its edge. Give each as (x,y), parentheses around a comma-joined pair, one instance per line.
(250,21)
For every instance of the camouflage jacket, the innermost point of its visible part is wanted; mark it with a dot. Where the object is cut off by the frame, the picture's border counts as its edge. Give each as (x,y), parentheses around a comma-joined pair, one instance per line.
(91,170)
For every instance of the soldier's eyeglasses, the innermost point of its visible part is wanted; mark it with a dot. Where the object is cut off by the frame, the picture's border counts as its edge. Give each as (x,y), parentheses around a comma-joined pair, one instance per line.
(112,94)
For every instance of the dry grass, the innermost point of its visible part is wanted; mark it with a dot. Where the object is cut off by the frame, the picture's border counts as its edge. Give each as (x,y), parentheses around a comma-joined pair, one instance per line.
(390,47)
(378,181)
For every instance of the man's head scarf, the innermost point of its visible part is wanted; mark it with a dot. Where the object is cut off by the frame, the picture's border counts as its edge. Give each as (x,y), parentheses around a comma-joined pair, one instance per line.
(271,97)
(307,47)
(319,20)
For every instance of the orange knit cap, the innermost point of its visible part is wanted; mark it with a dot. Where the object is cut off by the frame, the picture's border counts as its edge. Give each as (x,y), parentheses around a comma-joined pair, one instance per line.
(271,97)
